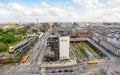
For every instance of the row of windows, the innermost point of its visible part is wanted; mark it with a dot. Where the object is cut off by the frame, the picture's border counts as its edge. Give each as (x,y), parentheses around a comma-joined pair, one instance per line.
(64,57)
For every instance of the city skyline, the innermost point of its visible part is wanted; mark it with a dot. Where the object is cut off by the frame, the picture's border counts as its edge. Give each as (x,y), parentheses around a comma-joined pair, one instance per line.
(60,10)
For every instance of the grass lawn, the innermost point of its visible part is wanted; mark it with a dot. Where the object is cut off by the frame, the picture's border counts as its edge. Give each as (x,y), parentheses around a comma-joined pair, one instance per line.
(90,49)
(77,50)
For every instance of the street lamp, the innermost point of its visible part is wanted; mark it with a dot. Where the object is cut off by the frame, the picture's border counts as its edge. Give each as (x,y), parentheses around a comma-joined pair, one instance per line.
(108,67)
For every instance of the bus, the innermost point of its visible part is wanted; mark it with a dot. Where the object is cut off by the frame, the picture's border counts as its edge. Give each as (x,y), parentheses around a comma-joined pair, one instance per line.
(25,58)
(92,62)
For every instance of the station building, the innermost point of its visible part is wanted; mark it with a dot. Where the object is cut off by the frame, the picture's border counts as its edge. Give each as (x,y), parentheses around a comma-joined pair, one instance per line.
(111,44)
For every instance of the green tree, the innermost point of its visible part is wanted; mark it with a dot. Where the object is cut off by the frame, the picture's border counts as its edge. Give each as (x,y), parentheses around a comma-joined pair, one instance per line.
(1,30)
(23,30)
(43,29)
(28,27)
(10,30)
(34,30)
(20,31)
(17,32)
(7,36)
(7,40)
(3,47)
(18,38)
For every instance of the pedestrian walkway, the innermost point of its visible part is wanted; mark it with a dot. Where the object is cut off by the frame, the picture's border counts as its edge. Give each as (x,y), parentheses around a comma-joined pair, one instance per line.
(59,63)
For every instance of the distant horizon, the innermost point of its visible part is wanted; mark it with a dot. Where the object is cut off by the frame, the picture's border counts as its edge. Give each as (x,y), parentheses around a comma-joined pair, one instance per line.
(58,22)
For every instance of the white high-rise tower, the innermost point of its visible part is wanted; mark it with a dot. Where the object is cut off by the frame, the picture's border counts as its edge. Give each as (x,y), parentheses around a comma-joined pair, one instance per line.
(64,47)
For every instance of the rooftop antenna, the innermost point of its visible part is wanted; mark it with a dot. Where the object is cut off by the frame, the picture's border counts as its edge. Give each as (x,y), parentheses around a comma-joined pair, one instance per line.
(108,67)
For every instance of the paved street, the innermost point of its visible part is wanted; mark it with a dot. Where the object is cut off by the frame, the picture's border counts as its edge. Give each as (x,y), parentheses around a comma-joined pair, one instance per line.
(32,66)
(25,69)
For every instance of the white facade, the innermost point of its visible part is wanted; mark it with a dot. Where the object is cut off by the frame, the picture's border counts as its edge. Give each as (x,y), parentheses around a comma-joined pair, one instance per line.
(64,47)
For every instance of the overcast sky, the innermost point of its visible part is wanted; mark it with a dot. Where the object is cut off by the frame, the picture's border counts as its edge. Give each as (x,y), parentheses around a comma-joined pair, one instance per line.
(60,10)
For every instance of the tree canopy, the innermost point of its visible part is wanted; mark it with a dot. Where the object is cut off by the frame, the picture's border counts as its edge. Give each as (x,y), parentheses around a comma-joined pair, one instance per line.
(43,29)
(3,47)
(7,36)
